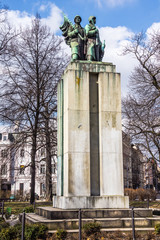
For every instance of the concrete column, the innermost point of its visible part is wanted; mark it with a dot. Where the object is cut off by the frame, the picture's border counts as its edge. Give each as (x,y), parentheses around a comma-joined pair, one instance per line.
(76,133)
(90,166)
(110,134)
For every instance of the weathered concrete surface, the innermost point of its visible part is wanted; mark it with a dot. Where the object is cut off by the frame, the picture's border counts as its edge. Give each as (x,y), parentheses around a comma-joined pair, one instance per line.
(105,222)
(119,219)
(57,213)
(91,202)
(90,167)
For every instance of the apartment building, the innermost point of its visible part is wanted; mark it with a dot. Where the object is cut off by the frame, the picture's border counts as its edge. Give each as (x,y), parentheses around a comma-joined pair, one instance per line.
(15,166)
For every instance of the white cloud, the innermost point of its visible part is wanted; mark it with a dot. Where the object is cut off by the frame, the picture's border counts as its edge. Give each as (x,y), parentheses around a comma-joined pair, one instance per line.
(19,19)
(113,3)
(55,18)
(155,27)
(22,19)
(42,8)
(116,39)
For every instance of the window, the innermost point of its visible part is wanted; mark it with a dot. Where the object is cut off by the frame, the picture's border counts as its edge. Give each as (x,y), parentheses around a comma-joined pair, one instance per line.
(22,168)
(4,153)
(53,168)
(4,138)
(4,169)
(42,188)
(42,151)
(21,188)
(52,152)
(42,169)
(22,153)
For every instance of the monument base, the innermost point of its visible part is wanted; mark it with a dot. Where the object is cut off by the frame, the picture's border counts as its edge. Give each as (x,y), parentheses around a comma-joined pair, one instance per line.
(93,202)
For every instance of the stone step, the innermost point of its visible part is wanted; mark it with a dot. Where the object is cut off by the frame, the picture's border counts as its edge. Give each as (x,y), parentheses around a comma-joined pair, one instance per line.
(110,230)
(74,233)
(67,224)
(55,213)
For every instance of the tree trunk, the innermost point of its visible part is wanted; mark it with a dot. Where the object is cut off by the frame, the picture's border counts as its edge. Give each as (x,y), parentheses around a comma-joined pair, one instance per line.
(48,163)
(33,170)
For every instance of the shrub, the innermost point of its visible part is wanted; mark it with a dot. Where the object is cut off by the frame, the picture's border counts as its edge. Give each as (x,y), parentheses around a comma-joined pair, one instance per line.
(42,232)
(18,196)
(35,231)
(157,228)
(61,234)
(131,193)
(5,194)
(11,233)
(5,234)
(29,209)
(152,194)
(91,228)
(142,194)
(17,231)
(3,225)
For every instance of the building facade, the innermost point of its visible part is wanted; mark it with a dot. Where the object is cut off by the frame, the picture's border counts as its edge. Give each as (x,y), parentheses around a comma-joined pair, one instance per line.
(152,174)
(127,163)
(133,164)
(138,162)
(15,167)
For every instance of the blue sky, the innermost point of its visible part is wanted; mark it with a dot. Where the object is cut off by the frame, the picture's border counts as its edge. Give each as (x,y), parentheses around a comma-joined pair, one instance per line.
(117,21)
(136,15)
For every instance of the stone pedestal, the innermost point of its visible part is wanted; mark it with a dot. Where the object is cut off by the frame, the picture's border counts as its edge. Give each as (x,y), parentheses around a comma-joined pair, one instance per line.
(90,166)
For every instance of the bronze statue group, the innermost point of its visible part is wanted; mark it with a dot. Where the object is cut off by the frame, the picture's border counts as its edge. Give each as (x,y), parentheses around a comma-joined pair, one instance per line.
(84,42)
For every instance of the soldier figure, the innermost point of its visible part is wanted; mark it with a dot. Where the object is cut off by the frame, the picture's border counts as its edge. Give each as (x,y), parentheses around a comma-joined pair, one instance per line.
(85,43)
(76,35)
(95,48)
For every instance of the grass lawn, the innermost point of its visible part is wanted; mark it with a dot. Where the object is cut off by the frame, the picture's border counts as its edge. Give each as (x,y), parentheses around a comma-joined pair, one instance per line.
(18,207)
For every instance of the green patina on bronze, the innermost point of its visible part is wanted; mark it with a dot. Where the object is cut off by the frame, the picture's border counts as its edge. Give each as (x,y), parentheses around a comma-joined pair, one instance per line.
(85,42)
(95,48)
(74,37)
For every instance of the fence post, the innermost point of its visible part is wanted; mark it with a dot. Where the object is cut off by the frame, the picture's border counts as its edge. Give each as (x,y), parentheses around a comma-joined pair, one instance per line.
(133,225)
(148,202)
(23,226)
(80,225)
(2,208)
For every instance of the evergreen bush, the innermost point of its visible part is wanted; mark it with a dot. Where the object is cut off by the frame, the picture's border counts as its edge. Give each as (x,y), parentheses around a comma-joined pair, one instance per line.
(11,233)
(91,228)
(35,231)
(29,209)
(157,229)
(61,234)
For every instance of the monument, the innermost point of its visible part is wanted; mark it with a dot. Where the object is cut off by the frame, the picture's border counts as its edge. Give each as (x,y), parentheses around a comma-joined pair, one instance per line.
(90,165)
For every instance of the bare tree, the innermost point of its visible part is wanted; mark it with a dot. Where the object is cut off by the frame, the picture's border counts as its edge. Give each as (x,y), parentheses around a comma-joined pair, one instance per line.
(50,131)
(6,31)
(141,108)
(33,66)
(6,35)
